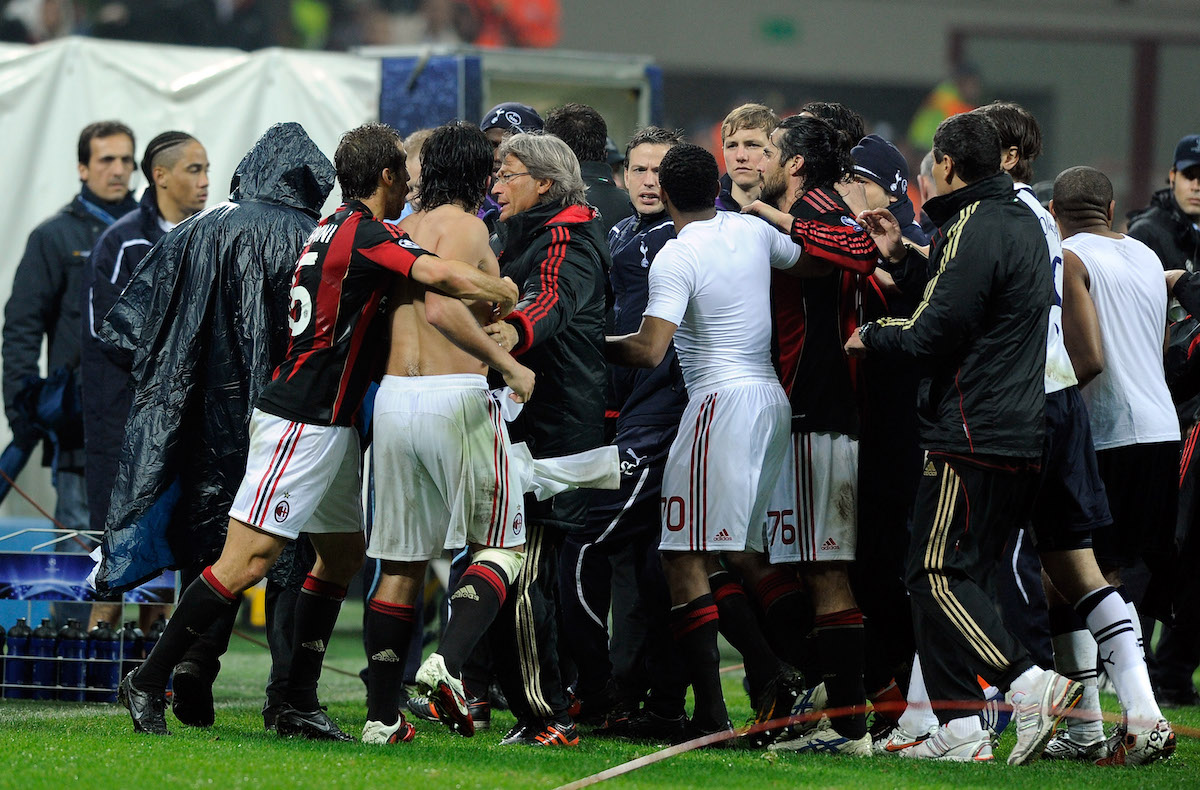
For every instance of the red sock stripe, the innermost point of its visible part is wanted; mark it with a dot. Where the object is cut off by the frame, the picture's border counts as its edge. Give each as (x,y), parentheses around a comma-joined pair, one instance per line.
(315,586)
(726,590)
(489,576)
(694,619)
(400,611)
(216,586)
(776,586)
(844,617)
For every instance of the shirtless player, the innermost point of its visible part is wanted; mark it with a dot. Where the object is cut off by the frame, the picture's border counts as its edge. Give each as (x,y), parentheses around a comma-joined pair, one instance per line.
(441,449)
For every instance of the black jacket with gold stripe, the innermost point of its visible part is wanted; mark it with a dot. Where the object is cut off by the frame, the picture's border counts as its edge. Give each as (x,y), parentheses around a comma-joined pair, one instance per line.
(980,331)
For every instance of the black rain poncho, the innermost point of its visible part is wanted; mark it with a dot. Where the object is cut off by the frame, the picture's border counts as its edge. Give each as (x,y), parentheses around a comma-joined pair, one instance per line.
(205,316)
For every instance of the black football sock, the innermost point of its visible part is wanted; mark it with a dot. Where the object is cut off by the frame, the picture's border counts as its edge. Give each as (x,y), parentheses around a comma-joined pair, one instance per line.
(473,607)
(739,625)
(839,637)
(202,603)
(317,609)
(694,626)
(788,611)
(389,628)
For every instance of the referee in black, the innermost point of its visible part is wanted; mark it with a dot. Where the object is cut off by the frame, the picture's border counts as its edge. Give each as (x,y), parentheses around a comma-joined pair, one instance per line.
(980,334)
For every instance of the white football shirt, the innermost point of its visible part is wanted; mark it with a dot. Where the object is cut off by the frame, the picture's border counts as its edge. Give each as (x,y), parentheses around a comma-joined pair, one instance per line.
(713,281)
(1129,402)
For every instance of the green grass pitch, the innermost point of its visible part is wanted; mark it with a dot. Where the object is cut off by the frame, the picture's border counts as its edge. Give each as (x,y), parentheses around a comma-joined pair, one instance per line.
(54,746)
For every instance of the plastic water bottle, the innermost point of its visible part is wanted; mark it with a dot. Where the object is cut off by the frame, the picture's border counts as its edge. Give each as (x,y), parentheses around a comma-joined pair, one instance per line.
(42,644)
(104,664)
(18,669)
(132,646)
(72,654)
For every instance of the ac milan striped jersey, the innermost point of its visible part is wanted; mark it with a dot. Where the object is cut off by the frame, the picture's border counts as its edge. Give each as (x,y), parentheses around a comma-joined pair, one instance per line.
(815,315)
(336,346)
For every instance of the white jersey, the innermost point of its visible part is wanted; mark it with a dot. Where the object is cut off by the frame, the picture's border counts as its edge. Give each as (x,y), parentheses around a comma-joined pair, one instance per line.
(713,281)
(1060,373)
(1128,402)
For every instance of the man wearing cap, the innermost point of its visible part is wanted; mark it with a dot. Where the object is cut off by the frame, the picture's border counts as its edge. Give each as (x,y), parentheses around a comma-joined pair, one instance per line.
(881,170)
(505,119)
(1169,227)
(1169,224)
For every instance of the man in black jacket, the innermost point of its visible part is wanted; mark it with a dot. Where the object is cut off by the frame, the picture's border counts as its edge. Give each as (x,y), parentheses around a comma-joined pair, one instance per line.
(45,300)
(980,332)
(552,245)
(585,133)
(1169,224)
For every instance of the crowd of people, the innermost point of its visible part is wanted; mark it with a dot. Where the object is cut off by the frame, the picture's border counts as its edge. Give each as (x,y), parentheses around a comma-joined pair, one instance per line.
(561,381)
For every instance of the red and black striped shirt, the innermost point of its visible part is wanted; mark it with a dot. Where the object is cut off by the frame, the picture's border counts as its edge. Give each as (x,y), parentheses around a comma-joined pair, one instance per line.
(814,316)
(336,347)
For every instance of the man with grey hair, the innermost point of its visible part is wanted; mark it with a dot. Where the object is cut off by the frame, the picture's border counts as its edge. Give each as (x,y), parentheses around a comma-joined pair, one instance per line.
(552,244)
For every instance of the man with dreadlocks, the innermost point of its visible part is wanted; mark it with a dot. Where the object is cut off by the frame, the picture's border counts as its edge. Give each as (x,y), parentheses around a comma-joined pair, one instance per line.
(812,519)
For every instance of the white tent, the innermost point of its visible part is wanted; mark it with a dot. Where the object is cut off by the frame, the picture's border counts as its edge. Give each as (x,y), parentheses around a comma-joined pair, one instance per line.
(226,98)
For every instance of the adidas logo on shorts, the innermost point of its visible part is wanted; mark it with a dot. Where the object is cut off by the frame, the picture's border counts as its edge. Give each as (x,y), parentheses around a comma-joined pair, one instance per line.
(830,545)
(386,656)
(465,592)
(930,469)
(723,535)
(317,646)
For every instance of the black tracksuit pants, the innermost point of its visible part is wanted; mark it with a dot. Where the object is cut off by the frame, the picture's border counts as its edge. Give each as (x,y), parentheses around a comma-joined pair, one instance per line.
(963,515)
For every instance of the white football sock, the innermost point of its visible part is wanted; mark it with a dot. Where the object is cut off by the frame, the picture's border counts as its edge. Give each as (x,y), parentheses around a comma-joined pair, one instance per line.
(1112,624)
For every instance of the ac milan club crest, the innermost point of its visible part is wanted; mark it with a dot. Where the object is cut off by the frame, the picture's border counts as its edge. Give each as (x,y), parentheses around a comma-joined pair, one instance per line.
(281,511)
(518,522)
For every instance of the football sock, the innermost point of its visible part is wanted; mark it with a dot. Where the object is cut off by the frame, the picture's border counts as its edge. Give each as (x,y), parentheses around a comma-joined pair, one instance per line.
(201,604)
(317,609)
(787,609)
(739,624)
(918,718)
(473,607)
(694,626)
(1111,623)
(888,702)
(388,629)
(1075,658)
(839,637)
(965,727)
(1134,619)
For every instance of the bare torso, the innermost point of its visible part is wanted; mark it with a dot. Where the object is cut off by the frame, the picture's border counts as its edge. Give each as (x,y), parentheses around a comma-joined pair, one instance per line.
(417,348)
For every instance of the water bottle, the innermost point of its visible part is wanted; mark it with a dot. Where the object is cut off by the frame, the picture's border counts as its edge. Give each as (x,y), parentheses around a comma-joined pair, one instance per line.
(132,645)
(156,630)
(42,644)
(104,664)
(72,655)
(18,669)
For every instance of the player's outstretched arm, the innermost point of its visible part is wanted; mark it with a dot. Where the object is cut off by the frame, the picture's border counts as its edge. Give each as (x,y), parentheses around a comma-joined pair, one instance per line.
(452,318)
(461,280)
(645,348)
